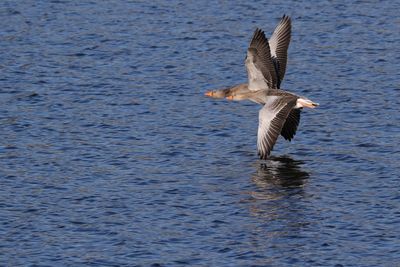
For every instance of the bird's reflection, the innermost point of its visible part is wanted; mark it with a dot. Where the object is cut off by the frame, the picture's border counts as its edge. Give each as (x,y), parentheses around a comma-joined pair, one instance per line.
(280,177)
(278,201)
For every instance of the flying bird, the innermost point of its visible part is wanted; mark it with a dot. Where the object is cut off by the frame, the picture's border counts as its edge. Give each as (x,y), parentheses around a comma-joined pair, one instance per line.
(266,64)
(279,44)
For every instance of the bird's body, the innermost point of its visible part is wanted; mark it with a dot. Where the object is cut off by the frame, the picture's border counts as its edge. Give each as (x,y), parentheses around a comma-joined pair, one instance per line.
(266,65)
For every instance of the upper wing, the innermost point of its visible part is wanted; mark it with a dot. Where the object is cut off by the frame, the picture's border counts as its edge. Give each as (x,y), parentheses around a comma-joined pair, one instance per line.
(279,44)
(271,120)
(260,68)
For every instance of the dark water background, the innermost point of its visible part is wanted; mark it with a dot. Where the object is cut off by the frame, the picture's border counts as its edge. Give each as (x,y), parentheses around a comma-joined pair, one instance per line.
(110,155)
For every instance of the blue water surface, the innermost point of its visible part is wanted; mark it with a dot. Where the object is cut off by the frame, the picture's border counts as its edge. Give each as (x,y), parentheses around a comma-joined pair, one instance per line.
(110,155)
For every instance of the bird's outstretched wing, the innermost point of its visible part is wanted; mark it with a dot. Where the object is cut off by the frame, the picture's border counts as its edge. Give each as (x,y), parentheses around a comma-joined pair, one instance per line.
(272,117)
(260,68)
(279,44)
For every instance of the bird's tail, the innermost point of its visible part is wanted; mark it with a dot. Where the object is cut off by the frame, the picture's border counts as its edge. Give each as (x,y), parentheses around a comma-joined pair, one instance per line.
(305,103)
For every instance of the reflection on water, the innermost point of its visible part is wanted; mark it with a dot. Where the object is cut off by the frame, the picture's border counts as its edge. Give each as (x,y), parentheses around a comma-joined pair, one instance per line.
(278,201)
(279,187)
(280,172)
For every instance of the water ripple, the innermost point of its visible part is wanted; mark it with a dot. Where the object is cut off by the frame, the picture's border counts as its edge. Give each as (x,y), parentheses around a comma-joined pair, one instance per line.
(111,155)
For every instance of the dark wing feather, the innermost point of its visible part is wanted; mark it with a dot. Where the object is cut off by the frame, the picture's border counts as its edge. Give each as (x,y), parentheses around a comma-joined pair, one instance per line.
(260,68)
(279,44)
(292,122)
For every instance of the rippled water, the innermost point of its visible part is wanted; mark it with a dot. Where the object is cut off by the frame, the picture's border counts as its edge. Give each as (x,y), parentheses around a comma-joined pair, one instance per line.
(110,155)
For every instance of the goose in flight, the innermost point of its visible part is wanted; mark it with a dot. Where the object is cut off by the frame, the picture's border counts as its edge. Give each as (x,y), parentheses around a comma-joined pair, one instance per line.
(280,113)
(279,44)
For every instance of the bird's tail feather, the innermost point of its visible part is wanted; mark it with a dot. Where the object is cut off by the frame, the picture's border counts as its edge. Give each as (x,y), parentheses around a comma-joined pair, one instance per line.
(305,103)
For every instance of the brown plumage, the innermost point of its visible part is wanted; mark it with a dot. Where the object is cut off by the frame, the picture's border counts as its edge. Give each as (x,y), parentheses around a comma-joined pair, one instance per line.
(266,65)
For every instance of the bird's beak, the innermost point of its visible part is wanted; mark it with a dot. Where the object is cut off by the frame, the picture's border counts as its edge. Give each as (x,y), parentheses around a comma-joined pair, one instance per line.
(209,94)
